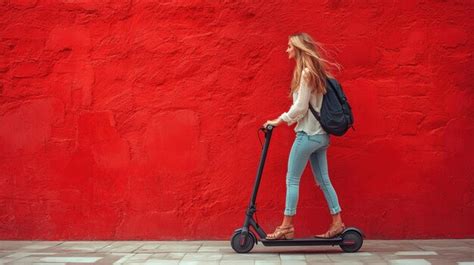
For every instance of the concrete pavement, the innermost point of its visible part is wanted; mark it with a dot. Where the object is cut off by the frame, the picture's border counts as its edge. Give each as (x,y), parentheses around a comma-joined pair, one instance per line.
(395,252)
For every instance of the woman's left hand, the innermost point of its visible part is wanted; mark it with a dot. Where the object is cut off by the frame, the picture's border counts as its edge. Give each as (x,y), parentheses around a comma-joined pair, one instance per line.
(274,122)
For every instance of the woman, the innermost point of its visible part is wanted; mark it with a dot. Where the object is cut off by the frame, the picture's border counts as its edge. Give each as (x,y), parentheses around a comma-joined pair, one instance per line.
(311,143)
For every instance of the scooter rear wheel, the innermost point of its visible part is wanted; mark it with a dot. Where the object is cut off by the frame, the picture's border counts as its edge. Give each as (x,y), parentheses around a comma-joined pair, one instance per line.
(351,241)
(242,245)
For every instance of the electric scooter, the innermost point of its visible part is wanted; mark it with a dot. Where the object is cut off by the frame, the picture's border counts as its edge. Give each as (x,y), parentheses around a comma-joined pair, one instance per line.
(244,239)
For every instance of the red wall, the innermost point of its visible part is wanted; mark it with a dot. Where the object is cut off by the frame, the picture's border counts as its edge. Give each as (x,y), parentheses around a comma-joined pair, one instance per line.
(138,120)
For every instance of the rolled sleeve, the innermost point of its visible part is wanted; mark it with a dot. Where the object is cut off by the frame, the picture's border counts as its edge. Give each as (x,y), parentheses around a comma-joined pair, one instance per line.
(300,106)
(286,118)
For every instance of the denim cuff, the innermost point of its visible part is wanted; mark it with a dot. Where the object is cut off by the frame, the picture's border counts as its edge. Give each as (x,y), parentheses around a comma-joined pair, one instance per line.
(335,210)
(290,212)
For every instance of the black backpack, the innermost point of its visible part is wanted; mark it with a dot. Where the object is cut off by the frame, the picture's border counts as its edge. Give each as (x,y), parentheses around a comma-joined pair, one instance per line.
(336,115)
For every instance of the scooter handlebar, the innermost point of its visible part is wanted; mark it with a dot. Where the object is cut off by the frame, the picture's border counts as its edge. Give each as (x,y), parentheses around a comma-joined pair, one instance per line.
(267,128)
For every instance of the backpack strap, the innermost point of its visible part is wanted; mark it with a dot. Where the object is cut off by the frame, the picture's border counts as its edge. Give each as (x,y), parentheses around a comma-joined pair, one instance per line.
(315,113)
(340,98)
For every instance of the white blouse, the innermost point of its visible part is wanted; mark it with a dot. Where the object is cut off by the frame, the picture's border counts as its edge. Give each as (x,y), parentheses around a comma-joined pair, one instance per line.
(300,113)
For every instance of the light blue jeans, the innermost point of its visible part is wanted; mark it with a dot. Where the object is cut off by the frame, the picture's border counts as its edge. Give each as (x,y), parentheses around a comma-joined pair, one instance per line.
(313,148)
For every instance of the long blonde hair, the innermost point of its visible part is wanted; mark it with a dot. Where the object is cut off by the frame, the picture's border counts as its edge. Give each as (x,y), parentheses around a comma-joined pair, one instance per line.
(308,55)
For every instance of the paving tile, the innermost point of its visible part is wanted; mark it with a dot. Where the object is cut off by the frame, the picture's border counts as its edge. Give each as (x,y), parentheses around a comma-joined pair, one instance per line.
(241,262)
(120,257)
(267,262)
(162,262)
(467,241)
(354,256)
(441,261)
(357,254)
(110,258)
(251,256)
(455,251)
(214,243)
(148,247)
(364,257)
(169,255)
(294,262)
(183,242)
(49,263)
(23,257)
(388,256)
(41,245)
(415,253)
(121,247)
(389,246)
(71,259)
(409,262)
(456,255)
(284,257)
(215,249)
(378,263)
(434,245)
(317,258)
(14,244)
(19,255)
(439,242)
(193,262)
(202,256)
(139,257)
(349,263)
(364,261)
(178,248)
(5,260)
(80,246)
(25,260)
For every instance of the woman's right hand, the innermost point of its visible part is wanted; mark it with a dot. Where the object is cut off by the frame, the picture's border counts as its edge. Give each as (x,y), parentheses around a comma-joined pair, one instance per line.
(274,122)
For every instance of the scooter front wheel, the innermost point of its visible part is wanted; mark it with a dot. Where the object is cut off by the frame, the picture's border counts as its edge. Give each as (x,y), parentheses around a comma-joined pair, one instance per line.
(242,244)
(351,241)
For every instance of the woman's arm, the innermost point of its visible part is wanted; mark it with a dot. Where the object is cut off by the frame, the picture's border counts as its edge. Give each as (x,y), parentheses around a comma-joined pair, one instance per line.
(300,106)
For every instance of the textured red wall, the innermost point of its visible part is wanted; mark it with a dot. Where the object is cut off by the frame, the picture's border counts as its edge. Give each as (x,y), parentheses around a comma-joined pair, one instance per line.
(138,119)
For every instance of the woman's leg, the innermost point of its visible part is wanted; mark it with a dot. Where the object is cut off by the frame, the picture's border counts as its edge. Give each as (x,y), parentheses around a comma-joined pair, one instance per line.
(318,161)
(319,165)
(298,158)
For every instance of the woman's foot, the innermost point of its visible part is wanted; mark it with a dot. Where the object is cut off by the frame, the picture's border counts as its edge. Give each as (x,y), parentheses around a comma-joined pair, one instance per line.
(333,231)
(282,232)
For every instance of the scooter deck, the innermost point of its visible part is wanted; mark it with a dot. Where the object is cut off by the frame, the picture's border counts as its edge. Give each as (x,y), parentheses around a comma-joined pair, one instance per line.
(303,242)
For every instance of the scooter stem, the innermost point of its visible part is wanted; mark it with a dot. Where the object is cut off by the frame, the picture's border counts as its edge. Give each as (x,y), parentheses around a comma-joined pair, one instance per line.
(268,134)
